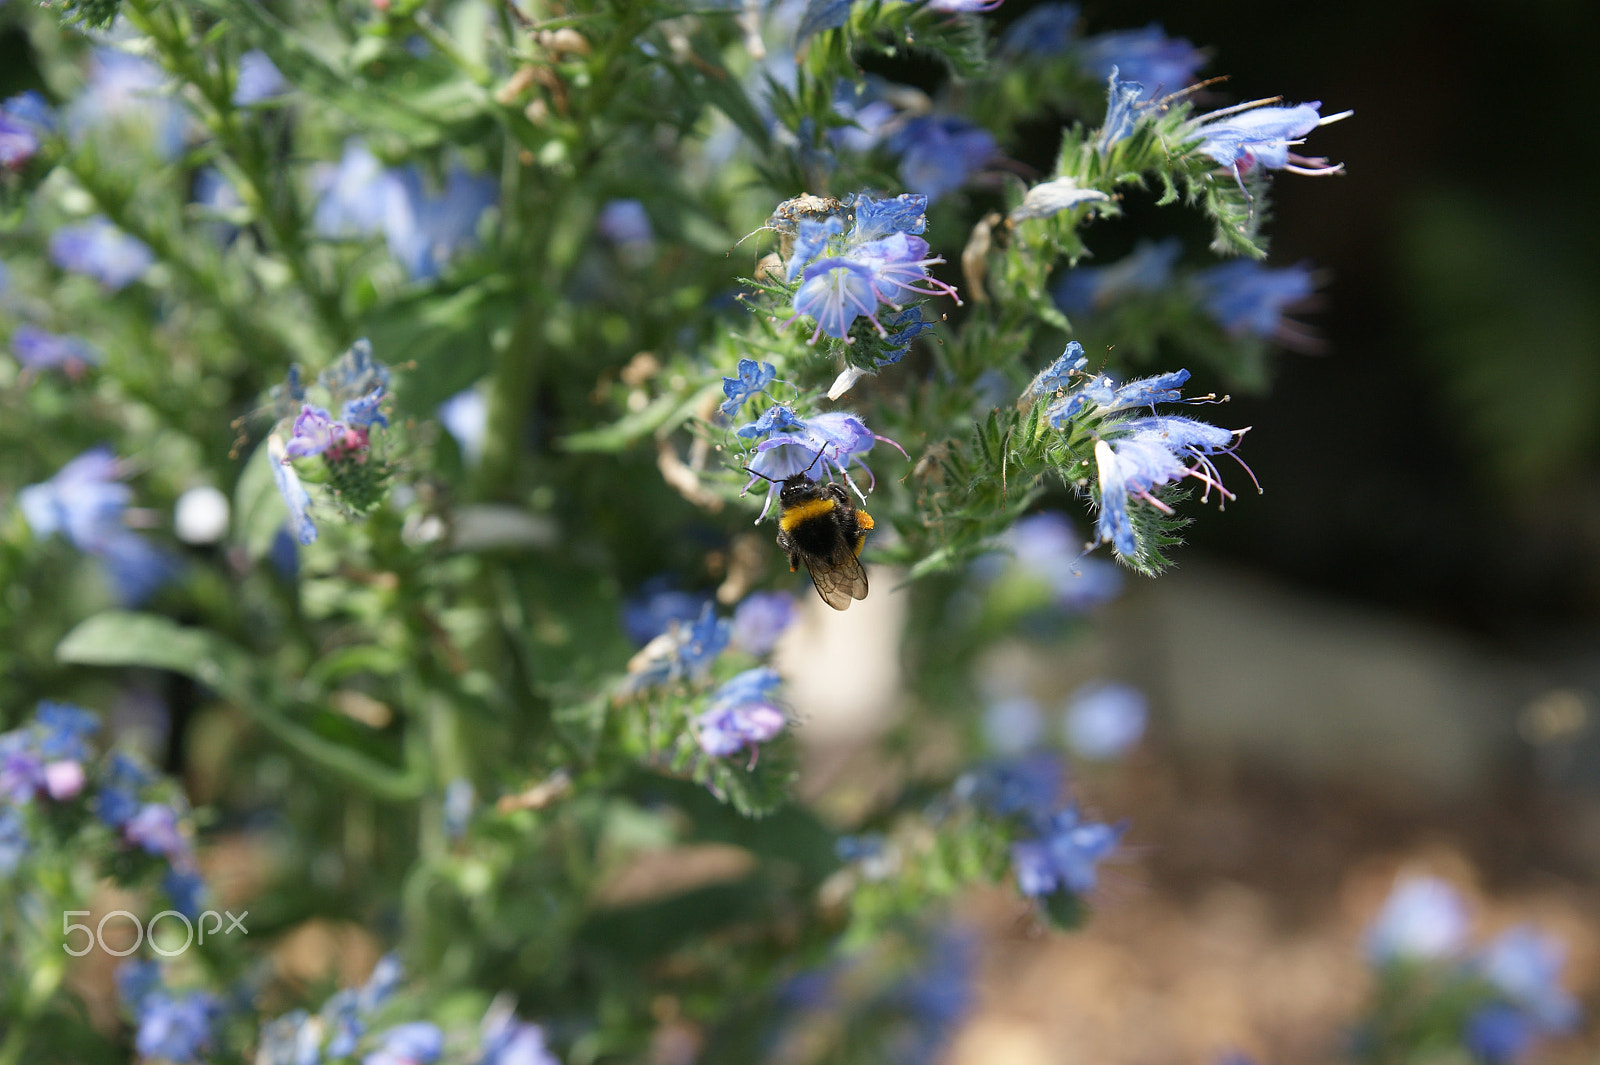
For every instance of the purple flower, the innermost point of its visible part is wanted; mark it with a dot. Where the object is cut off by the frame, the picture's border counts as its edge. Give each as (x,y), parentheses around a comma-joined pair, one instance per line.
(414,1043)
(1250,135)
(1525,965)
(741,715)
(962,6)
(423,229)
(836,291)
(1424,919)
(1104,720)
(37,349)
(63,780)
(760,619)
(293,492)
(314,433)
(465,416)
(128,93)
(102,251)
(899,265)
(259,79)
(1147,269)
(939,153)
(22,774)
(753,378)
(155,828)
(1246,297)
(1065,857)
(1148,56)
(175,1028)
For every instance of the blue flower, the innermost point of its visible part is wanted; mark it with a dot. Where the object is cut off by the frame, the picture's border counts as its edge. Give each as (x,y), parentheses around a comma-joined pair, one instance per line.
(1046,547)
(381,983)
(1066,857)
(424,230)
(21,767)
(1250,135)
(1147,56)
(155,829)
(64,730)
(186,889)
(363,412)
(465,416)
(1246,297)
(1525,965)
(836,291)
(1499,1034)
(353,195)
(413,1043)
(175,1028)
(23,119)
(37,349)
(1104,720)
(875,219)
(656,606)
(1424,919)
(753,378)
(102,251)
(760,619)
(939,153)
(625,222)
(122,779)
(1043,30)
(13,840)
(815,447)
(820,15)
(126,93)
(259,79)
(293,492)
(741,715)
(701,642)
(937,997)
(1123,110)
(1149,453)
(1012,725)
(1028,787)
(505,1040)
(1093,288)
(1059,374)
(811,236)
(1101,395)
(85,503)
(354,373)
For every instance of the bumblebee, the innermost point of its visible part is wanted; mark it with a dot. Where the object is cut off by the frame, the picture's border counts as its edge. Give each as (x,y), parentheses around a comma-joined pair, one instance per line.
(818,525)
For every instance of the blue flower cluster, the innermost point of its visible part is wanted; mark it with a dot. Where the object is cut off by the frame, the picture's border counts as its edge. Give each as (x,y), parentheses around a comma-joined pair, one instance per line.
(1066,849)
(342,1029)
(1513,984)
(24,119)
(86,502)
(1135,455)
(50,759)
(880,261)
(357,385)
(424,229)
(742,715)
(175,1026)
(817,446)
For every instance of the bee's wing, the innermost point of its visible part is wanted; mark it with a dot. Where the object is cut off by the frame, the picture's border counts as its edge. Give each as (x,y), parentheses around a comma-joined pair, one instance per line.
(839,577)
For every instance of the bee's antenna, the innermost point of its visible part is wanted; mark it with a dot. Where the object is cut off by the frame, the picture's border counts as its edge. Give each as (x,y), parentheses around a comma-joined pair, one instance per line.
(808,469)
(763,476)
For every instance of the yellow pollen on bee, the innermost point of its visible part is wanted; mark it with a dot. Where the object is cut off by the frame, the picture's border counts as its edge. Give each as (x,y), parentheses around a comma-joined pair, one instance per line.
(812,508)
(864,520)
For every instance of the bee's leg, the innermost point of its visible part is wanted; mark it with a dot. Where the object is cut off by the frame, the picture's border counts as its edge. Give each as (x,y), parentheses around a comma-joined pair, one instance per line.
(794,563)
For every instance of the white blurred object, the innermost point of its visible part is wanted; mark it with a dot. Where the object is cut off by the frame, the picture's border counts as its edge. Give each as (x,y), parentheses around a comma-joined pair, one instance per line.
(201,515)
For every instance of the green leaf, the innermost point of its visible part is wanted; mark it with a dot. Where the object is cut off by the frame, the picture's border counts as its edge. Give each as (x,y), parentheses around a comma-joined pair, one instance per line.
(124,638)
